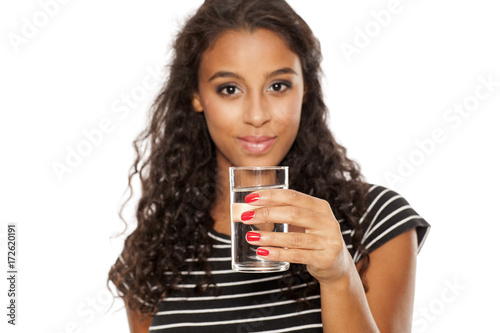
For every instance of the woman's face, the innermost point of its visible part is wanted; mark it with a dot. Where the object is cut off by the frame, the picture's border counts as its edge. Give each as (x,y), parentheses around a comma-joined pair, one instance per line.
(250,91)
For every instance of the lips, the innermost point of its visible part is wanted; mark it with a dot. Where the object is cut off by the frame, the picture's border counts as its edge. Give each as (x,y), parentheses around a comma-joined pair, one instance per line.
(256,144)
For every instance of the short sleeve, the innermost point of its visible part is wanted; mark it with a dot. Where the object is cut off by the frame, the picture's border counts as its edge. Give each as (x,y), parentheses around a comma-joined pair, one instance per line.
(388,215)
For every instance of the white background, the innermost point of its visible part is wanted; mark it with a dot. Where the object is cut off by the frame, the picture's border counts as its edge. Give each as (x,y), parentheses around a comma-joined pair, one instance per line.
(79,65)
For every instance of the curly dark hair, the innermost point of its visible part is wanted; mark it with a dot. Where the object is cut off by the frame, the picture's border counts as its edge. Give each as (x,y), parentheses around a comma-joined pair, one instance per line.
(177,167)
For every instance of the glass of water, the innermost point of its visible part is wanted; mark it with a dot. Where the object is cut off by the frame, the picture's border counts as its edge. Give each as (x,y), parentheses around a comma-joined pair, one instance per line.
(243,181)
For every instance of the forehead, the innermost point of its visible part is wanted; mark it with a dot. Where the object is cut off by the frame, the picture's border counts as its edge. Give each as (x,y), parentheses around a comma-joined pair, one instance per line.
(259,50)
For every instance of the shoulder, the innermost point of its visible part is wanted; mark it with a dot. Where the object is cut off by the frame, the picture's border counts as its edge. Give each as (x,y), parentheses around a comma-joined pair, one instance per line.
(388,215)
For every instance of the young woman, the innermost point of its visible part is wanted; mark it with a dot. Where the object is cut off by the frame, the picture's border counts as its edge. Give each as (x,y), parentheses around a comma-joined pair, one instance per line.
(244,90)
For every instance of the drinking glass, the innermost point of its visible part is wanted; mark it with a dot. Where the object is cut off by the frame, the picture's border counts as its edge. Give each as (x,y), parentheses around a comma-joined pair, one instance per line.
(243,181)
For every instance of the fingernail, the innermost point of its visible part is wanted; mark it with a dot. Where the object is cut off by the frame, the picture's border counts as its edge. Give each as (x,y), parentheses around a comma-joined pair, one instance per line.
(252,197)
(262,252)
(247,216)
(253,236)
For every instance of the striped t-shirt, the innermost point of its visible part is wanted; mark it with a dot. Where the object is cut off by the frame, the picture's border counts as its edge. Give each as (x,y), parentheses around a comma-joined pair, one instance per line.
(254,302)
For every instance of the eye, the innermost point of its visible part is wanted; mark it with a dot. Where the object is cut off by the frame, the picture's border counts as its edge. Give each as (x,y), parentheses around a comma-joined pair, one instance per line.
(279,86)
(228,89)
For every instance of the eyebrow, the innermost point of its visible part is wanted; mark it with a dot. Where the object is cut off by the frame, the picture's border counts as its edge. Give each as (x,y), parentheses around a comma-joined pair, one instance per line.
(286,70)
(225,74)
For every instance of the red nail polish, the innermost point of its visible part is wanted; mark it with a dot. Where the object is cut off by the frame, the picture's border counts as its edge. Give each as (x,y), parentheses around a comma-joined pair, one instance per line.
(253,236)
(262,252)
(247,216)
(252,197)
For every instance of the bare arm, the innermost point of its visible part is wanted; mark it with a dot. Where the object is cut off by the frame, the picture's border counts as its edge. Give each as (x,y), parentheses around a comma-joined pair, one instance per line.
(345,307)
(389,301)
(391,281)
(137,322)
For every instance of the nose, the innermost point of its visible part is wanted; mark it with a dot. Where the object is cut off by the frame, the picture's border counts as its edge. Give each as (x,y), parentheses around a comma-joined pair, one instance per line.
(256,111)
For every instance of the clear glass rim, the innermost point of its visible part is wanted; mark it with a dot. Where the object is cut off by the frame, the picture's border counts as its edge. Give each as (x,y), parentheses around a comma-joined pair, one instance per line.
(259,168)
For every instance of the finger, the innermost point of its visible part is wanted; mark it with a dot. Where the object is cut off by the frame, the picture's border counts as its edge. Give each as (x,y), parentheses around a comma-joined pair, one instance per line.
(286,197)
(237,209)
(318,260)
(293,215)
(297,256)
(291,240)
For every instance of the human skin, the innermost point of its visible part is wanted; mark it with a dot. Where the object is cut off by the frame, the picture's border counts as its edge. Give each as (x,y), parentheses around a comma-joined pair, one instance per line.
(250,89)
(251,92)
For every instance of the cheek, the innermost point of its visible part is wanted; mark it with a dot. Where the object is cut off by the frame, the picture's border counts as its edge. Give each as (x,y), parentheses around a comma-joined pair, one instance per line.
(221,123)
(289,114)
(218,115)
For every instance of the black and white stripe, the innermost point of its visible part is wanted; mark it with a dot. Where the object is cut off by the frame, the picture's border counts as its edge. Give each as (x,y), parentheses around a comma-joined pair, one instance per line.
(389,215)
(256,302)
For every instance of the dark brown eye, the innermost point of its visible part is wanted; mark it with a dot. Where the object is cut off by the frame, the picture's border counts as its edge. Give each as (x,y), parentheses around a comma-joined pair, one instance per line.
(228,89)
(279,86)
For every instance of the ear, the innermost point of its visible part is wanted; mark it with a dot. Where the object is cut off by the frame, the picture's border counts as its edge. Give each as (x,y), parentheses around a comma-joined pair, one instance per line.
(197,106)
